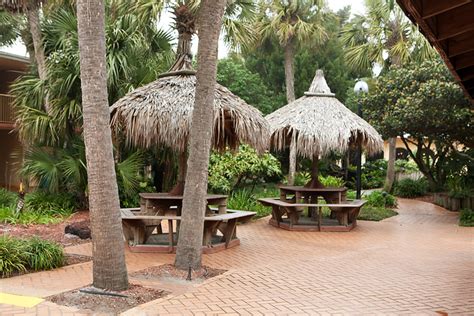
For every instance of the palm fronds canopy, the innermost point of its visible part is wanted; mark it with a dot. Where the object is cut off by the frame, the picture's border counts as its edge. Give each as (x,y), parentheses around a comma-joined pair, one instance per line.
(161,113)
(319,124)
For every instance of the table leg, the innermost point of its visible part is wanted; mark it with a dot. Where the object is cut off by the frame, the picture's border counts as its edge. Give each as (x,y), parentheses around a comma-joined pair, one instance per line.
(170,234)
(320,217)
(229,231)
(209,228)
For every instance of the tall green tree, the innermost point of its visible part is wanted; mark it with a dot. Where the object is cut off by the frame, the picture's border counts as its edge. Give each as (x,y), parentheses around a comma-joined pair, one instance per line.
(109,268)
(421,104)
(292,23)
(189,251)
(383,31)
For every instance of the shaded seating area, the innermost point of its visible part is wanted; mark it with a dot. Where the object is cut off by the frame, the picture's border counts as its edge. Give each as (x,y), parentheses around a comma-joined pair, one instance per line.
(154,227)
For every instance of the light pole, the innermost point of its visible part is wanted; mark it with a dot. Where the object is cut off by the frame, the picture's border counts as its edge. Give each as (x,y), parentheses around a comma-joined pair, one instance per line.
(359,88)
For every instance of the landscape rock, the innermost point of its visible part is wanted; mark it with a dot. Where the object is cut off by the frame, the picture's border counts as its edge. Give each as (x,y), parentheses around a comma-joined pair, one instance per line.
(80,229)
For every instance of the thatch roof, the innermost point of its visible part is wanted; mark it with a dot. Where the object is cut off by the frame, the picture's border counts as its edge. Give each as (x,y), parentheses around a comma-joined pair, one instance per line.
(161,113)
(319,124)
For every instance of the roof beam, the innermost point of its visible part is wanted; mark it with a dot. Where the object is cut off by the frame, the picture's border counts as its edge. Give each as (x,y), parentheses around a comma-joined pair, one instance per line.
(460,44)
(437,7)
(454,22)
(469,84)
(463,61)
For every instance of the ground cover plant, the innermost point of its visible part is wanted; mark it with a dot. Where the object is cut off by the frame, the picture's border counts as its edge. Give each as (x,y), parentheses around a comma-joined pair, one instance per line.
(18,255)
(39,208)
(466,218)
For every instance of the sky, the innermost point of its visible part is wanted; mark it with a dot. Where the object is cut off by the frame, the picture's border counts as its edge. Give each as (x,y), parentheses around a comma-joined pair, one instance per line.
(165,22)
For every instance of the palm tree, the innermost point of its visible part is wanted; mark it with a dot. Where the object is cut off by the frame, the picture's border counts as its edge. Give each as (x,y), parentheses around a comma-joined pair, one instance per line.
(31,9)
(291,23)
(383,30)
(109,268)
(189,251)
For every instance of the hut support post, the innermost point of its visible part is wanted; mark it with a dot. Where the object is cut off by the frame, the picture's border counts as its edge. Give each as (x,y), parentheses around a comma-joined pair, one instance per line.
(314,182)
(182,168)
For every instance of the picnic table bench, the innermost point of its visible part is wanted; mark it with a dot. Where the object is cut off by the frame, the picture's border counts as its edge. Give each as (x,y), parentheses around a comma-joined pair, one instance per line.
(139,227)
(346,214)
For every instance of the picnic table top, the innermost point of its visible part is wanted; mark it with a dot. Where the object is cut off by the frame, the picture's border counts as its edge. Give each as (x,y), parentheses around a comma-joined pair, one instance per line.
(127,213)
(306,189)
(167,196)
(277,201)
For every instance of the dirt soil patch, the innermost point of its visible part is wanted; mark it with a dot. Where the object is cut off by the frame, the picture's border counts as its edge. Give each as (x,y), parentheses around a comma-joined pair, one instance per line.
(169,271)
(53,232)
(110,304)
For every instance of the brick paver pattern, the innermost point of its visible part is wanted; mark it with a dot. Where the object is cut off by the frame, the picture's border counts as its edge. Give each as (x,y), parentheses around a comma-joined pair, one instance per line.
(419,262)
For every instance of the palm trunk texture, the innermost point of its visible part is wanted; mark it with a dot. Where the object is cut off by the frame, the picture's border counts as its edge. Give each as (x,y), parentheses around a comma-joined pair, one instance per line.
(290,97)
(189,251)
(32,16)
(390,178)
(109,269)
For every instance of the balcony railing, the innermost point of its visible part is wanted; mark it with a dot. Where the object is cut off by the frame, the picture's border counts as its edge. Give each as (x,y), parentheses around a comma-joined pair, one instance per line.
(6,111)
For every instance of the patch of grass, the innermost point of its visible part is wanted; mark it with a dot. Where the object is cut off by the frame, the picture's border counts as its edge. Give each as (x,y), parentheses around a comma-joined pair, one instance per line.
(466,218)
(49,203)
(7,215)
(20,255)
(44,254)
(375,213)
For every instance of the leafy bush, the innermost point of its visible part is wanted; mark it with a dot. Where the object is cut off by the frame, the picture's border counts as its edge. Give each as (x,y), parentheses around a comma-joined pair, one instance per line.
(44,254)
(330,181)
(247,200)
(459,188)
(410,188)
(466,218)
(373,174)
(302,178)
(45,203)
(381,199)
(13,257)
(7,198)
(405,166)
(20,255)
(228,171)
(133,199)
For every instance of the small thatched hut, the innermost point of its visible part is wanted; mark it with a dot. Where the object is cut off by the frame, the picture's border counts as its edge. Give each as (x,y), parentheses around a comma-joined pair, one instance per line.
(161,113)
(317,124)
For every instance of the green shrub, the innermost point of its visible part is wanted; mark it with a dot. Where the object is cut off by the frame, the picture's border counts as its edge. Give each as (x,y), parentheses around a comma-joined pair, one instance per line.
(466,218)
(247,200)
(302,178)
(405,166)
(132,199)
(330,181)
(20,255)
(373,174)
(7,198)
(41,202)
(13,255)
(44,254)
(7,215)
(410,188)
(228,170)
(381,199)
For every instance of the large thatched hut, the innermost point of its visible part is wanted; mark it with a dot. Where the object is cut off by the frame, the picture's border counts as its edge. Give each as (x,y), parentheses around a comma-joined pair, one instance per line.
(317,124)
(160,113)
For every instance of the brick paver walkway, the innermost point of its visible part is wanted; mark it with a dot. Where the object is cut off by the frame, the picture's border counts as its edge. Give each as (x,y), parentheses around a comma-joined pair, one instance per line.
(419,262)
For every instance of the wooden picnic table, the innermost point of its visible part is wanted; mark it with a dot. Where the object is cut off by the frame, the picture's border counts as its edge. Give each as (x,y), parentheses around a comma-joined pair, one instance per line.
(310,195)
(162,203)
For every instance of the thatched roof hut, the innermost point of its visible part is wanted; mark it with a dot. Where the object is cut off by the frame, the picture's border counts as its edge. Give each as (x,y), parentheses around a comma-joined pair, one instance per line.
(318,124)
(161,113)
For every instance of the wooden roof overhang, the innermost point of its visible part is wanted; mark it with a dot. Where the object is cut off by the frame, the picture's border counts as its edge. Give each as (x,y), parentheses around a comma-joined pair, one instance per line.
(449,27)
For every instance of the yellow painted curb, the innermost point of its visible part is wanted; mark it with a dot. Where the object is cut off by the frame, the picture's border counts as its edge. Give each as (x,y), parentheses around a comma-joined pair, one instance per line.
(18,300)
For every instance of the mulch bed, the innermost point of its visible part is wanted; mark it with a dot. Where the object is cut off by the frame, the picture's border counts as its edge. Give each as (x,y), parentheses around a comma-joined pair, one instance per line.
(97,303)
(169,271)
(53,232)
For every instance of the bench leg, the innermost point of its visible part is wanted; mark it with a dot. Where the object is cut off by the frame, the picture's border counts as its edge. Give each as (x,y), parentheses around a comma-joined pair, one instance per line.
(293,215)
(209,228)
(229,231)
(170,234)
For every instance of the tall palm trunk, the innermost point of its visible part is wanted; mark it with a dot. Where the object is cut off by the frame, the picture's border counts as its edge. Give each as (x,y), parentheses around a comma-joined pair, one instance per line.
(32,16)
(390,178)
(189,251)
(290,97)
(109,269)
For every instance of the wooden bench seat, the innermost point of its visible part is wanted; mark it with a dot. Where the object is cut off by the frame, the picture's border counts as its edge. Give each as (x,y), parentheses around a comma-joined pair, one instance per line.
(138,227)
(346,212)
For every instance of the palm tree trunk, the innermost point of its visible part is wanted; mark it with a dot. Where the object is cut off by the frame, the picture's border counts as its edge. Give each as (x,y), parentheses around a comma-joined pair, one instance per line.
(390,178)
(292,164)
(109,269)
(32,16)
(289,71)
(189,251)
